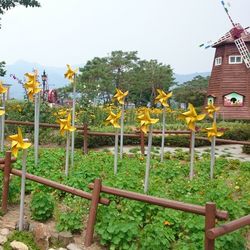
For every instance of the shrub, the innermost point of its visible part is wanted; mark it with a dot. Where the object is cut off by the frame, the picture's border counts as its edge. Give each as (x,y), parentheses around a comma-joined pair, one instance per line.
(70,221)
(246,149)
(42,206)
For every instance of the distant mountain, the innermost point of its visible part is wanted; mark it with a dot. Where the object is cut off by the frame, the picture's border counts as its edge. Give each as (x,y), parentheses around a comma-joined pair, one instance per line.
(179,78)
(56,76)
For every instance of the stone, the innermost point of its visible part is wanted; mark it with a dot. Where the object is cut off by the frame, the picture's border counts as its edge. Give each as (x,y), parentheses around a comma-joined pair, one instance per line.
(5,231)
(3,239)
(1,248)
(73,246)
(41,235)
(53,240)
(61,248)
(65,238)
(18,245)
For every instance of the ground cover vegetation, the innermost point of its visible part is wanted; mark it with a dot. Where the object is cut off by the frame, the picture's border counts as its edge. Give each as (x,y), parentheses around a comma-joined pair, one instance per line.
(126,224)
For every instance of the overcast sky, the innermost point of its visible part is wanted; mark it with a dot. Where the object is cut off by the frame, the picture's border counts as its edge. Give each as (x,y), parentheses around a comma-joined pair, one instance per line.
(74,31)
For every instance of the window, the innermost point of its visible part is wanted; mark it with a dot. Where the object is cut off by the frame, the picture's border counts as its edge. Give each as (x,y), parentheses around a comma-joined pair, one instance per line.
(233,99)
(218,61)
(235,59)
(210,100)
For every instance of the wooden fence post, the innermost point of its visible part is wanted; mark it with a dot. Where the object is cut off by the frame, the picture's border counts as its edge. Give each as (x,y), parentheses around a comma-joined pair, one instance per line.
(142,137)
(6,181)
(85,138)
(92,213)
(210,212)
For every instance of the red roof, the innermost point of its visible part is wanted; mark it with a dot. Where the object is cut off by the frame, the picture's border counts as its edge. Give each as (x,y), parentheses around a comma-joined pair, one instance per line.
(245,36)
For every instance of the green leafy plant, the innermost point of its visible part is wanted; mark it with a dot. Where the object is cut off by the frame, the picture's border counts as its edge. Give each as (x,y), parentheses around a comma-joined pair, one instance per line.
(42,206)
(70,221)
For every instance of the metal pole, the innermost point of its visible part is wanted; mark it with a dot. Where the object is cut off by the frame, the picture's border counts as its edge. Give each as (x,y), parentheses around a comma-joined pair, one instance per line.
(21,215)
(67,153)
(146,181)
(191,175)
(116,151)
(163,133)
(73,124)
(2,124)
(122,131)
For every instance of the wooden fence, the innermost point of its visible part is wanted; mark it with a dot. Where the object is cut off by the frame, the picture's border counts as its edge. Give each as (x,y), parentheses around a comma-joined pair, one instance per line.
(209,210)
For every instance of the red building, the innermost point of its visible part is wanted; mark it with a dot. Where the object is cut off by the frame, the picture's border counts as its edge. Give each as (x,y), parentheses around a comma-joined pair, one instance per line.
(229,84)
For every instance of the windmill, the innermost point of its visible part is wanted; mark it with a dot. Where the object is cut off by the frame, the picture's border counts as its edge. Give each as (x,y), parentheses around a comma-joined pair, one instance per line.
(229,84)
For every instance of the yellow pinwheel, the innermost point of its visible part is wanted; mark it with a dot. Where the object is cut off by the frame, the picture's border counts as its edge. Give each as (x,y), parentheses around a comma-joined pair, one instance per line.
(145,119)
(113,119)
(163,97)
(191,117)
(32,86)
(211,132)
(211,109)
(18,143)
(2,88)
(120,96)
(65,124)
(2,111)
(70,73)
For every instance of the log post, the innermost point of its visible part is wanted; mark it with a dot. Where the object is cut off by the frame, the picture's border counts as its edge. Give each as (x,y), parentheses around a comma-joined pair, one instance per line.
(85,138)
(92,213)
(142,137)
(210,215)
(6,181)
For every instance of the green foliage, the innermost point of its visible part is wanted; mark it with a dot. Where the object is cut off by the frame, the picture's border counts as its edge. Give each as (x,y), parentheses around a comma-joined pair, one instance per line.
(23,236)
(246,149)
(126,224)
(70,221)
(41,206)
(193,91)
(99,77)
(9,4)
(2,70)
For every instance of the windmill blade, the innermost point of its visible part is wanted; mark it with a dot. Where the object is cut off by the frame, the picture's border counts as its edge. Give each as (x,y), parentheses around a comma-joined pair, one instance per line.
(224,38)
(244,52)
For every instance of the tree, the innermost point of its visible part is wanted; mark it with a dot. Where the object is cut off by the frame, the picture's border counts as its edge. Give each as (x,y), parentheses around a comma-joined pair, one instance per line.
(100,76)
(147,77)
(2,70)
(6,5)
(193,91)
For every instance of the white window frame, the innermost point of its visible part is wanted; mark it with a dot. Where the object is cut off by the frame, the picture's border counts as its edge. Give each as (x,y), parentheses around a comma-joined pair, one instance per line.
(218,61)
(235,61)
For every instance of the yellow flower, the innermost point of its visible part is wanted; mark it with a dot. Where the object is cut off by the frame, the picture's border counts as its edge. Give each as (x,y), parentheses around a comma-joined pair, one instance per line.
(191,117)
(167,223)
(120,96)
(145,119)
(18,143)
(113,119)
(210,108)
(163,97)
(211,132)
(65,125)
(2,88)
(32,86)
(70,73)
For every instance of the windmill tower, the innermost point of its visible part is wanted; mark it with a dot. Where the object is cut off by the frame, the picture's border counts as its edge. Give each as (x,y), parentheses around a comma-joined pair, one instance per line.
(229,84)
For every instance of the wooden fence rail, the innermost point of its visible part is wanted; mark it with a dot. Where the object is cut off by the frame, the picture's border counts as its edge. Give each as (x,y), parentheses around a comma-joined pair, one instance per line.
(229,227)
